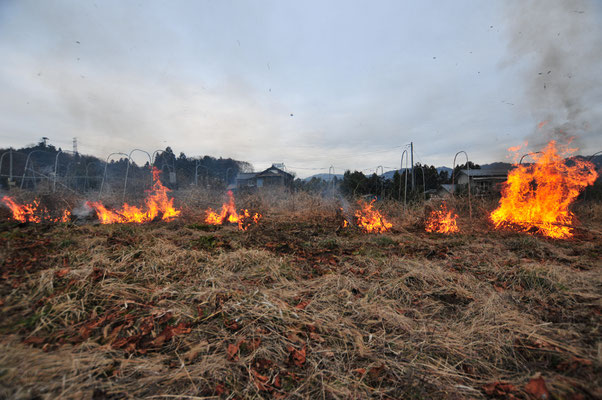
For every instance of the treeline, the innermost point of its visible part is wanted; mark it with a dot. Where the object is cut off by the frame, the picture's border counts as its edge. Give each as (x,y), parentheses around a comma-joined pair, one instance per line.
(356,183)
(84,172)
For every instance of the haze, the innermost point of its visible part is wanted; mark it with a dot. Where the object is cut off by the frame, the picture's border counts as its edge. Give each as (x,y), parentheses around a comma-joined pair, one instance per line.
(310,84)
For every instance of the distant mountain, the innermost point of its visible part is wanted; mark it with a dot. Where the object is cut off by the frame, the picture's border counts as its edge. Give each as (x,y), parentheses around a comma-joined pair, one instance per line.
(446,169)
(324,177)
(497,165)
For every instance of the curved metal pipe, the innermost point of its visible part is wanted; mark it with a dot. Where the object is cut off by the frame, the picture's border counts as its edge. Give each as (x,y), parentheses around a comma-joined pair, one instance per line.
(87,177)
(27,163)
(331,168)
(196,172)
(406,176)
(104,176)
(56,163)
(127,170)
(528,154)
(423,183)
(593,155)
(453,172)
(382,184)
(10,163)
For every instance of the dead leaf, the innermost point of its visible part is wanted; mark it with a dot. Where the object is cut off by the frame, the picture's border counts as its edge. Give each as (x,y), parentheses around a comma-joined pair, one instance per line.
(375,372)
(316,337)
(297,357)
(359,371)
(195,350)
(33,340)
(302,305)
(537,388)
(232,352)
(503,389)
(260,381)
(62,272)
(220,389)
(293,337)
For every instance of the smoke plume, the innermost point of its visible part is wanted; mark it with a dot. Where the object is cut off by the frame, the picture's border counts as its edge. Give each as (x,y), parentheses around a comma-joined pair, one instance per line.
(558,45)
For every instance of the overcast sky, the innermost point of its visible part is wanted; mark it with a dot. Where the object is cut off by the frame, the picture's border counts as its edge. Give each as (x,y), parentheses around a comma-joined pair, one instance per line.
(307,83)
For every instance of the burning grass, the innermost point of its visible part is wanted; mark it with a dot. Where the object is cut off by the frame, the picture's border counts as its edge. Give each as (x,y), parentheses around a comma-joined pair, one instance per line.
(228,214)
(157,206)
(536,198)
(33,212)
(371,220)
(442,221)
(297,308)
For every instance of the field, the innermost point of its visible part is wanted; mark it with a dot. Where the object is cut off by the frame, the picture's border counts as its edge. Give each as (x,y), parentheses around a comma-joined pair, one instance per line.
(297,307)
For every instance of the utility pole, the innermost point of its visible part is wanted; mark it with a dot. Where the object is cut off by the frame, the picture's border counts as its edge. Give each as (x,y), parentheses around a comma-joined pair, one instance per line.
(412,161)
(75,145)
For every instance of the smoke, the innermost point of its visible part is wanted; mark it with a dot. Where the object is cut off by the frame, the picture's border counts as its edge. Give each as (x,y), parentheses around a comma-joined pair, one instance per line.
(558,45)
(82,211)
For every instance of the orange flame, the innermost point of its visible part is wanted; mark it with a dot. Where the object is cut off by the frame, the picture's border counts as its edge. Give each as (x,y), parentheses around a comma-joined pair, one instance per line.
(33,212)
(442,221)
(371,220)
(536,197)
(228,214)
(157,203)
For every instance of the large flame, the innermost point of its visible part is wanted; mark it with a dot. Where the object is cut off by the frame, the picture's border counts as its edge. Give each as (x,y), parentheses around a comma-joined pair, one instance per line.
(156,204)
(228,214)
(33,212)
(371,220)
(536,197)
(442,221)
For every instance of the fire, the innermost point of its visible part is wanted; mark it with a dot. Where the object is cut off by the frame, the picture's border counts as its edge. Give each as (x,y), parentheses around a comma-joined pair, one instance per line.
(228,214)
(371,220)
(442,221)
(156,204)
(33,212)
(536,197)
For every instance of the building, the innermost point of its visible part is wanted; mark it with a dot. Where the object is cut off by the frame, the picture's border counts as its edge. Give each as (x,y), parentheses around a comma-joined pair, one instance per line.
(483,181)
(271,177)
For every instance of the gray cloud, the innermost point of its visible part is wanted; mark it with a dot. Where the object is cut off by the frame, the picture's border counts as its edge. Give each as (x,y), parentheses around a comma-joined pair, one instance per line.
(223,78)
(560,44)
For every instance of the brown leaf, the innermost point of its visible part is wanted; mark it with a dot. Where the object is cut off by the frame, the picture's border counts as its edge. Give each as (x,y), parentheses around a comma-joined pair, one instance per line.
(232,325)
(302,305)
(499,389)
(375,372)
(537,388)
(169,332)
(232,352)
(260,381)
(573,363)
(297,357)
(293,337)
(195,350)
(359,371)
(316,337)
(220,389)
(62,272)
(33,340)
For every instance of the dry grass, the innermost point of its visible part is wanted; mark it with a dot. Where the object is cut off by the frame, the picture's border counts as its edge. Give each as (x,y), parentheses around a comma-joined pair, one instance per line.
(296,307)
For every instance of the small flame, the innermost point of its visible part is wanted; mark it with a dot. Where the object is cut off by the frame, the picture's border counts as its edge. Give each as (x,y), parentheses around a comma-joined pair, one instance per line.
(228,214)
(157,203)
(371,220)
(442,221)
(537,197)
(33,212)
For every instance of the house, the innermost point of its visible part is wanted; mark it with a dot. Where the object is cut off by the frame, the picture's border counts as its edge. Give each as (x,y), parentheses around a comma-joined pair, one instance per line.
(271,177)
(484,181)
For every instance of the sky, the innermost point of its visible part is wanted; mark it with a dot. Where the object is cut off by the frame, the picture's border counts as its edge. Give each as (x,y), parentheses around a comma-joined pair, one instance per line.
(311,84)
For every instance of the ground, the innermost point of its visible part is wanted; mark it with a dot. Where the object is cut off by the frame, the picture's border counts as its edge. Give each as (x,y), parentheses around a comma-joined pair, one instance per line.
(296,307)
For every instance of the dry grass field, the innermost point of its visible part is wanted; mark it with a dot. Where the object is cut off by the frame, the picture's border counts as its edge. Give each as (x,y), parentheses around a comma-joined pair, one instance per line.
(298,308)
